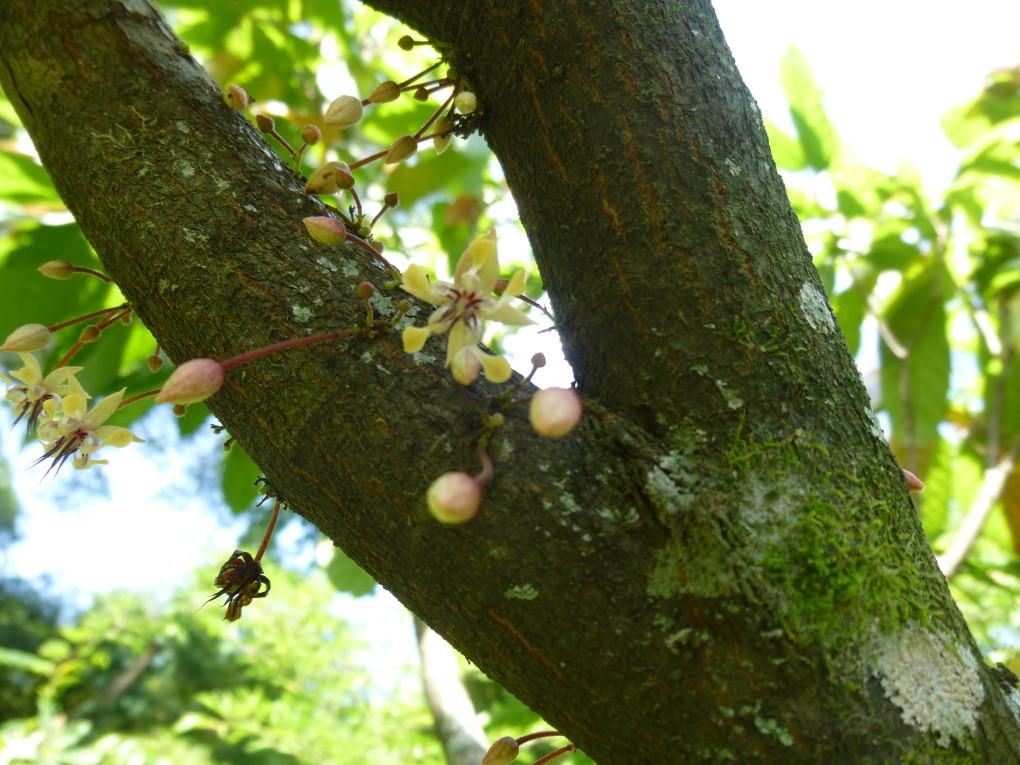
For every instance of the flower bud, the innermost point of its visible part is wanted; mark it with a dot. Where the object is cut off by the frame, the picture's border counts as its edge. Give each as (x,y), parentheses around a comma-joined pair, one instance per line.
(406,42)
(265,123)
(311,134)
(364,290)
(441,142)
(90,334)
(329,178)
(344,111)
(421,94)
(325,230)
(401,149)
(465,102)
(502,752)
(236,97)
(555,412)
(179,410)
(57,269)
(392,199)
(192,381)
(155,362)
(385,91)
(913,482)
(454,497)
(26,338)
(538,360)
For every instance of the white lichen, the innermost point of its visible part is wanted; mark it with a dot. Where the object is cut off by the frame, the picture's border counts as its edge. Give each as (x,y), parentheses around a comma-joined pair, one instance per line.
(815,308)
(934,683)
(301,313)
(733,401)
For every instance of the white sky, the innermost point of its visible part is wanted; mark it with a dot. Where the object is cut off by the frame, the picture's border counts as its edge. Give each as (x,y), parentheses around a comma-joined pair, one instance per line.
(888,70)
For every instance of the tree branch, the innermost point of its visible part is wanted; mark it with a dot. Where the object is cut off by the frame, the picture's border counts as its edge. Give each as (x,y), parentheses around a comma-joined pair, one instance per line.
(723,559)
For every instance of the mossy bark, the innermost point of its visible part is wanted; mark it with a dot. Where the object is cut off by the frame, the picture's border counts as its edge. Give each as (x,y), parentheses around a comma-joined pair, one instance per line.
(723,562)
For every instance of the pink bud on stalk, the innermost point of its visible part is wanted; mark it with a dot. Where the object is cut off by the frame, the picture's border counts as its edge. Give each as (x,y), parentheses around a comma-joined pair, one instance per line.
(326,230)
(555,412)
(191,382)
(26,338)
(913,482)
(454,497)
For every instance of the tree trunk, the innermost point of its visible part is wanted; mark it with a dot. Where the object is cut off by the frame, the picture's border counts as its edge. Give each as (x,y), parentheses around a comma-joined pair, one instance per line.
(723,562)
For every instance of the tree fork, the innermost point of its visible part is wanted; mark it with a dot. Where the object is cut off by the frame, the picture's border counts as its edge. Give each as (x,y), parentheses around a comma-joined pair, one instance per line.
(723,561)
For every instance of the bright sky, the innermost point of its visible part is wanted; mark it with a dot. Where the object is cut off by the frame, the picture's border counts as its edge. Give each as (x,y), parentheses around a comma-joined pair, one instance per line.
(888,70)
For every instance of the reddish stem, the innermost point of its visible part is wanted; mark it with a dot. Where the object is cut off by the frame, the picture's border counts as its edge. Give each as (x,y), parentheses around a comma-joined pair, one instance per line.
(92,272)
(434,117)
(418,76)
(540,734)
(100,326)
(294,342)
(553,755)
(138,397)
(486,475)
(86,317)
(269,531)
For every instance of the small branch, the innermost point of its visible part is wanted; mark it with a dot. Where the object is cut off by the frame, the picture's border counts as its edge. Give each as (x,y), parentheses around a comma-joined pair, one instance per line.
(970,529)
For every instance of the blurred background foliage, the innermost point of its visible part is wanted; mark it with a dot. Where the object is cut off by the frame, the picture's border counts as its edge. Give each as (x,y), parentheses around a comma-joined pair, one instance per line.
(926,290)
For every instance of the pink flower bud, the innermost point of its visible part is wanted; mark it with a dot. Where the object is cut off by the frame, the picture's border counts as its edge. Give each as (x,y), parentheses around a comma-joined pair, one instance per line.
(502,752)
(236,97)
(265,123)
(454,497)
(344,111)
(913,482)
(326,230)
(192,381)
(57,269)
(555,412)
(26,338)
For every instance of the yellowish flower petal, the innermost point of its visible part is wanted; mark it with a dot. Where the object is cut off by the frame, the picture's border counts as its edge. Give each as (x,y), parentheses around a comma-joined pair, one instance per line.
(480,257)
(496,368)
(466,365)
(113,435)
(414,338)
(102,411)
(59,377)
(460,336)
(416,282)
(74,406)
(516,285)
(505,313)
(31,373)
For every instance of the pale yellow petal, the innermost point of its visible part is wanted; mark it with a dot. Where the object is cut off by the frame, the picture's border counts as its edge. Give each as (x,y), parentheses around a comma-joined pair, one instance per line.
(414,338)
(73,406)
(460,336)
(480,257)
(505,313)
(31,373)
(102,411)
(60,376)
(516,286)
(416,282)
(113,435)
(466,365)
(496,368)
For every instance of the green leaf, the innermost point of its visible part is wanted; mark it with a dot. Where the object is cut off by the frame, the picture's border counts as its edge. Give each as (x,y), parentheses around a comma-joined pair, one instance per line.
(891,253)
(915,388)
(9,657)
(239,474)
(786,150)
(347,576)
(851,307)
(818,137)
(24,181)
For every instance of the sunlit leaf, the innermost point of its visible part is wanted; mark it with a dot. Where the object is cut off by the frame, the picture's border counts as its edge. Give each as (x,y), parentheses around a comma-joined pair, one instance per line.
(817,136)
